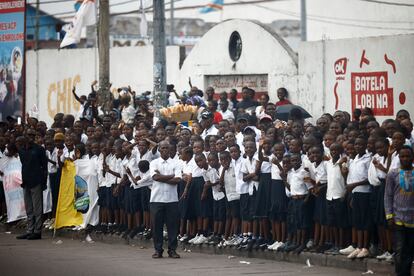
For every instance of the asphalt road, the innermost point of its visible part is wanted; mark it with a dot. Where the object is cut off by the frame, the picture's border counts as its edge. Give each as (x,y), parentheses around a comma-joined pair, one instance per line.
(73,257)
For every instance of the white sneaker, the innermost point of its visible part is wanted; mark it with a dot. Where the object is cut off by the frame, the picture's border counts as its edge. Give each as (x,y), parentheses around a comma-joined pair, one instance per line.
(390,258)
(201,239)
(193,239)
(363,253)
(183,238)
(237,241)
(348,250)
(354,254)
(383,256)
(309,244)
(272,246)
(278,246)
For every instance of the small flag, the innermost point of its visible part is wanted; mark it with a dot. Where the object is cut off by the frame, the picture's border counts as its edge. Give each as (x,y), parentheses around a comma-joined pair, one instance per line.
(85,16)
(214,5)
(77,4)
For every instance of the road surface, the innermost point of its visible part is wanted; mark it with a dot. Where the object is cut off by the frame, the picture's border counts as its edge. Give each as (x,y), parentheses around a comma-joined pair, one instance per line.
(74,257)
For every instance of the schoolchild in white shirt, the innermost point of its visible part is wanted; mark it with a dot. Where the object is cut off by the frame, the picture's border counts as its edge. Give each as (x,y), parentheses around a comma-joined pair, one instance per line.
(377,173)
(186,214)
(278,199)
(263,192)
(335,197)
(113,169)
(318,174)
(357,183)
(299,191)
(131,201)
(212,179)
(205,200)
(250,169)
(241,188)
(228,180)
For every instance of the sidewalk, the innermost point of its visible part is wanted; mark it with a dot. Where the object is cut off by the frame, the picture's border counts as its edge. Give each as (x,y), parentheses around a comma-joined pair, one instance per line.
(378,267)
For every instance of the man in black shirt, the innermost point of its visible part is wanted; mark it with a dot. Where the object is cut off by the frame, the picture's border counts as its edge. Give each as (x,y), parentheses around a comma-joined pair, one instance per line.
(34,177)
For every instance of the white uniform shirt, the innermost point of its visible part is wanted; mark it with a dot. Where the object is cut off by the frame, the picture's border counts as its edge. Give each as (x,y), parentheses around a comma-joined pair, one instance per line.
(212,175)
(163,192)
(395,161)
(318,173)
(128,114)
(52,156)
(230,183)
(67,154)
(192,169)
(227,115)
(145,180)
(266,165)
(374,174)
(275,171)
(241,186)
(249,166)
(336,182)
(211,131)
(296,181)
(358,171)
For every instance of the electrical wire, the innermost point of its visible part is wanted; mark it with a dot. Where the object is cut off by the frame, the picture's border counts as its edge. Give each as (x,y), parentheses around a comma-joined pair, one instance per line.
(322,19)
(388,3)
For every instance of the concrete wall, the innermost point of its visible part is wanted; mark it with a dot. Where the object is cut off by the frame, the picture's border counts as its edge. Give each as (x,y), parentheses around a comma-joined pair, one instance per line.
(349,73)
(325,76)
(263,52)
(59,70)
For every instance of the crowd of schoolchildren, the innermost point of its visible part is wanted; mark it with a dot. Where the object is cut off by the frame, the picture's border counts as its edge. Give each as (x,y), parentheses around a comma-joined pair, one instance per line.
(243,178)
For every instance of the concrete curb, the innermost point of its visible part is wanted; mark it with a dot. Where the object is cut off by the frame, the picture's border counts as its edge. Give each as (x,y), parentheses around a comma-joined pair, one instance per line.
(378,267)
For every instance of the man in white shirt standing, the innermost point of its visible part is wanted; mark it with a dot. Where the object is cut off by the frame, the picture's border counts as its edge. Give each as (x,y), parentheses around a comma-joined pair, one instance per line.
(164,201)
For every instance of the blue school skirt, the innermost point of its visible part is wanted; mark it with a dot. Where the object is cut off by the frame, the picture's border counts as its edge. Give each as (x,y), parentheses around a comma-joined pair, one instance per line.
(278,201)
(263,196)
(183,203)
(320,209)
(377,204)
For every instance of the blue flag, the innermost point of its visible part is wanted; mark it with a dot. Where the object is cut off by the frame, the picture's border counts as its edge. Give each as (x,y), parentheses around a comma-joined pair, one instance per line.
(214,5)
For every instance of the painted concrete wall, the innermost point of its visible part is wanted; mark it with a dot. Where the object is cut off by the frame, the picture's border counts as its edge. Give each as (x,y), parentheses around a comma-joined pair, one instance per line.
(58,71)
(353,73)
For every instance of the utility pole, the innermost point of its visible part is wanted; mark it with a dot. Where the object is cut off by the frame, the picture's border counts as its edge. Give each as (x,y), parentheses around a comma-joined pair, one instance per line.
(303,20)
(37,25)
(171,22)
(160,94)
(105,99)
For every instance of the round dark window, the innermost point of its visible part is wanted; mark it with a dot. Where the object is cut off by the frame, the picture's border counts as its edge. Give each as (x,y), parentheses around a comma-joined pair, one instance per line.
(235,46)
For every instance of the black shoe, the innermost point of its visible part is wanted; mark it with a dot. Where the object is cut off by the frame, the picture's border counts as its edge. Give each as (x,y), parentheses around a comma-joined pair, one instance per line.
(291,247)
(173,254)
(126,234)
(133,233)
(299,249)
(35,236)
(23,237)
(157,255)
(148,235)
(250,244)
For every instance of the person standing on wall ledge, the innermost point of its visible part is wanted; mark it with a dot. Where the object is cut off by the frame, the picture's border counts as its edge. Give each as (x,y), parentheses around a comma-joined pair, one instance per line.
(399,210)
(282,94)
(34,179)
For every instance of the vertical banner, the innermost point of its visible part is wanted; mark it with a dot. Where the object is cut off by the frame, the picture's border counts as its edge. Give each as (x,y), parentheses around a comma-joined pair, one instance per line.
(12,37)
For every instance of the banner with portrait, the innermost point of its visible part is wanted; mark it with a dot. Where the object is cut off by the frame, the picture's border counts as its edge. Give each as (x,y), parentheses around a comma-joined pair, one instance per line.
(12,38)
